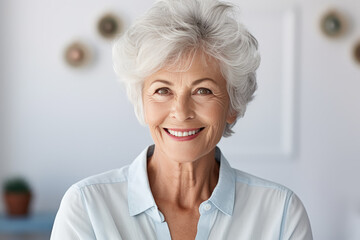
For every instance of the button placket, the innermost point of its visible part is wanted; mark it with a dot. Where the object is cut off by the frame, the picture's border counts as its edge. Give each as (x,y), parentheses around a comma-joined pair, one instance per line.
(208,214)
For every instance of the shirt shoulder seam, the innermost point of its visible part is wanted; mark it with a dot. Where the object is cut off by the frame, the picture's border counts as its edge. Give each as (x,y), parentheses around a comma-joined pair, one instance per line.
(104,178)
(110,181)
(252,180)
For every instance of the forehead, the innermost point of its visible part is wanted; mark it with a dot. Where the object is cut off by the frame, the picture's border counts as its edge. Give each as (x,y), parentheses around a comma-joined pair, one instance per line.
(190,67)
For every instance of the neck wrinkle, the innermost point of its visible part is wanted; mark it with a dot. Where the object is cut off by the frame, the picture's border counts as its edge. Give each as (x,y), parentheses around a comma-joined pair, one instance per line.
(185,184)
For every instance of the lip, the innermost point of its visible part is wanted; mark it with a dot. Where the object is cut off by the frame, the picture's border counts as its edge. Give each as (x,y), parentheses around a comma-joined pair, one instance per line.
(187,138)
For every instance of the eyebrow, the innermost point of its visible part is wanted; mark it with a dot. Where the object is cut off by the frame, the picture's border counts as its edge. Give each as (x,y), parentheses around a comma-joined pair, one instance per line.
(193,84)
(162,81)
(204,79)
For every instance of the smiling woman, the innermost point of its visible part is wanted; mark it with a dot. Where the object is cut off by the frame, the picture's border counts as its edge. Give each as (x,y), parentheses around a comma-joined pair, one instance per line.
(189,69)
(180,103)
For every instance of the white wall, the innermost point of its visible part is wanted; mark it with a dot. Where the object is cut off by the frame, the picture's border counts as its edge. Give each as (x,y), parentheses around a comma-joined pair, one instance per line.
(61,124)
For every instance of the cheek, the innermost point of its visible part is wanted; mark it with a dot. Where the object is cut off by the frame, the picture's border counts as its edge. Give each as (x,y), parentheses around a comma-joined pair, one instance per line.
(214,114)
(154,112)
(214,109)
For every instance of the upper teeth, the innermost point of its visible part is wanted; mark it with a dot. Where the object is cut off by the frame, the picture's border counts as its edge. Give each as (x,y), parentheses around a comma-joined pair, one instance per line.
(183,134)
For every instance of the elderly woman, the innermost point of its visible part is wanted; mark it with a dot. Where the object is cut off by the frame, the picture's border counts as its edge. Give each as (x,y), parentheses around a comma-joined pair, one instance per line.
(189,69)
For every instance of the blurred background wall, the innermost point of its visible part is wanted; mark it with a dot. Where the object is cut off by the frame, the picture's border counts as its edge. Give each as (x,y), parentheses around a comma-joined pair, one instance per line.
(60,124)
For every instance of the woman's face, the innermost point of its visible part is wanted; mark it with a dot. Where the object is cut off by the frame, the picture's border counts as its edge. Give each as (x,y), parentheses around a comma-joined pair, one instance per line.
(187,111)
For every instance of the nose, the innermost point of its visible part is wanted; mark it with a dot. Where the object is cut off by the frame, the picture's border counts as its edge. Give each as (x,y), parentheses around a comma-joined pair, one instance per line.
(182,108)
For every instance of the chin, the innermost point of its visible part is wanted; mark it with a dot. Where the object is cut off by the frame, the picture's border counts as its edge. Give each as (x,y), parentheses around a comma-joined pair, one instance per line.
(185,152)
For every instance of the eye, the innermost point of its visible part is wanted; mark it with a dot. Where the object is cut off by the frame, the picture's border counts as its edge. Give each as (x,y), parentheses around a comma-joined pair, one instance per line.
(163,91)
(203,91)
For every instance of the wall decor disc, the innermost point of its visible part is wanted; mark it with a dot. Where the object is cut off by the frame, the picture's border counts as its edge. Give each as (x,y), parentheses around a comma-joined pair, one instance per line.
(356,52)
(333,24)
(109,26)
(76,54)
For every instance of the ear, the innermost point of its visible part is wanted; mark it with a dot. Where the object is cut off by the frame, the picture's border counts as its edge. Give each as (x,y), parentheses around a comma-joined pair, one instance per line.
(231,118)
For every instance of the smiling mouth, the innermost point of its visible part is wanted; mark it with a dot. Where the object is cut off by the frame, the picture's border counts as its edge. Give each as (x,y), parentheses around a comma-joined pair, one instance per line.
(185,133)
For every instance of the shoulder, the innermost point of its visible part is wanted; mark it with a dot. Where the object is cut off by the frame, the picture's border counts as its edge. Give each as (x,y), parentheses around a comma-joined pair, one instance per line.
(257,182)
(258,193)
(261,191)
(271,201)
(276,207)
(114,176)
(110,184)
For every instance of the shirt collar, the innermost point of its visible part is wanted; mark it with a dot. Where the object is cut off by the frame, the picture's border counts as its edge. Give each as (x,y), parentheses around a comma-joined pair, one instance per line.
(223,196)
(141,199)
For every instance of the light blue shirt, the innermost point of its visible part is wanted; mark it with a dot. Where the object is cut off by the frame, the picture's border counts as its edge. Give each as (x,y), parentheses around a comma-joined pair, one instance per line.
(119,205)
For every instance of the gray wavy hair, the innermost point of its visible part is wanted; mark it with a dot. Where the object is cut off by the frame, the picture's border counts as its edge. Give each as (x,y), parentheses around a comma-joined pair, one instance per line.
(172,29)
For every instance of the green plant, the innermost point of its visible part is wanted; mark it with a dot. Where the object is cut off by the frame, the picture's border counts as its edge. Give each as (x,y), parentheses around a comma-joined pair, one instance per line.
(16,185)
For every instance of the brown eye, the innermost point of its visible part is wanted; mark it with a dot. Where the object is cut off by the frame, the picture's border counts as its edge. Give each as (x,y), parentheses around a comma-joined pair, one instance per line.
(162,91)
(203,91)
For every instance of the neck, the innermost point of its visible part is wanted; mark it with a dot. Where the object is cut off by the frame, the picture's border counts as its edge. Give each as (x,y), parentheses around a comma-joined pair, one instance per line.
(185,184)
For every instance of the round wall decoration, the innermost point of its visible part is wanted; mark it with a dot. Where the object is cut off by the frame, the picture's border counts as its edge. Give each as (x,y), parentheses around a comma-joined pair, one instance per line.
(77,54)
(356,52)
(333,24)
(109,26)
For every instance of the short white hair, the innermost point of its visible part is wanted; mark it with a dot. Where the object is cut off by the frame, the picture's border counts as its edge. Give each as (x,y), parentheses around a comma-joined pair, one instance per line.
(172,29)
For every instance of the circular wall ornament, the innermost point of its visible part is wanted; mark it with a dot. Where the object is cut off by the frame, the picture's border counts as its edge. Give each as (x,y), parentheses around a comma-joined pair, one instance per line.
(356,52)
(109,26)
(333,24)
(77,54)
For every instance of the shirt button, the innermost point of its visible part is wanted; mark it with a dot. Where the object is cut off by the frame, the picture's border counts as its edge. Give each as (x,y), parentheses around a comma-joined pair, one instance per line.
(207,207)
